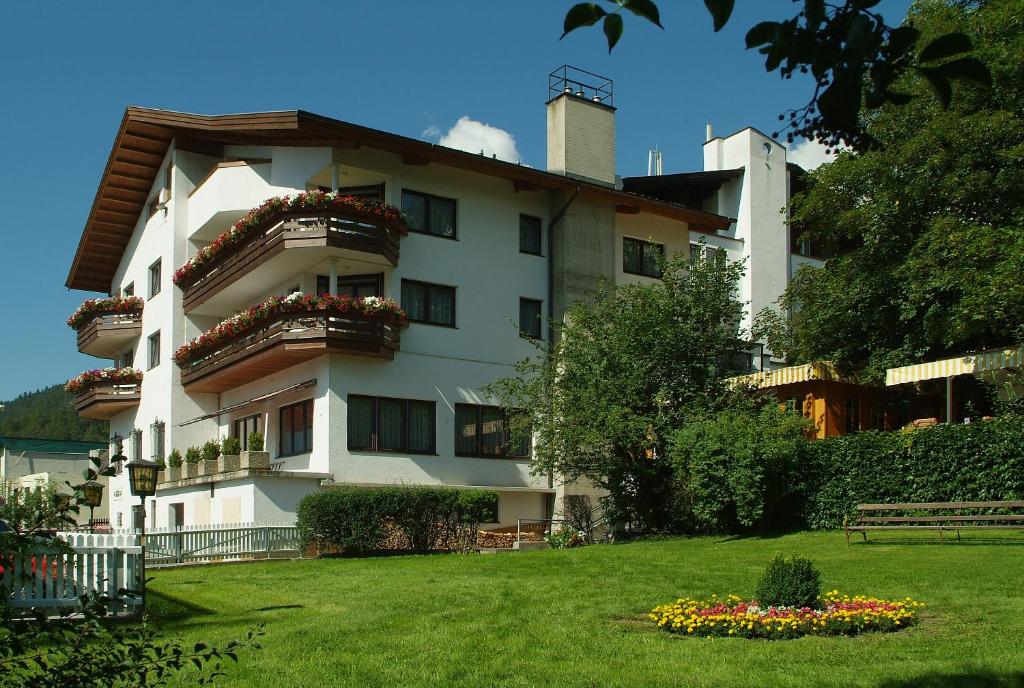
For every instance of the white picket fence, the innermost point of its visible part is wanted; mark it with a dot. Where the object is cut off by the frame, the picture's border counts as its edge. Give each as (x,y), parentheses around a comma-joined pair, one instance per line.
(53,579)
(223,542)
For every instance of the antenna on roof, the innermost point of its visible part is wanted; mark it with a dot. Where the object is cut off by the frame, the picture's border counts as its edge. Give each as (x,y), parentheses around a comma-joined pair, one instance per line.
(654,162)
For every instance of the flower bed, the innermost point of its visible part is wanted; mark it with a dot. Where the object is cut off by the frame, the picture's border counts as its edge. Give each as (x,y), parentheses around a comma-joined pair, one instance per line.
(251,319)
(839,615)
(113,304)
(112,376)
(313,200)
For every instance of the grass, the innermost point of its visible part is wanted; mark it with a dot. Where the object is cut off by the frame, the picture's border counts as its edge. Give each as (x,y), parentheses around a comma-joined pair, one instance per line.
(578,617)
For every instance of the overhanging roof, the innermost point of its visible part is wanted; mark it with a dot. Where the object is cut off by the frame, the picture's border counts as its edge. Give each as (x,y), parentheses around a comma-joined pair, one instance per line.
(145,135)
(968,364)
(807,372)
(685,188)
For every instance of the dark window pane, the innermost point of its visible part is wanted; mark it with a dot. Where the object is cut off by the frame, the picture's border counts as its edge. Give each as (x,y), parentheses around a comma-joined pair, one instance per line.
(421,426)
(529,318)
(415,208)
(391,421)
(309,425)
(465,429)
(442,305)
(442,217)
(285,430)
(695,254)
(376,191)
(414,300)
(323,284)
(360,423)
(492,431)
(652,255)
(632,255)
(529,234)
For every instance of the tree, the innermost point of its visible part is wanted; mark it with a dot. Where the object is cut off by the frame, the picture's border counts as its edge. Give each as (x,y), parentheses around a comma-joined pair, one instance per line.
(854,57)
(929,230)
(627,369)
(48,414)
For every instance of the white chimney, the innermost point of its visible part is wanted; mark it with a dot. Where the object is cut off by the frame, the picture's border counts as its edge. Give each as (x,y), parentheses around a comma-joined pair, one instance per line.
(708,134)
(581,126)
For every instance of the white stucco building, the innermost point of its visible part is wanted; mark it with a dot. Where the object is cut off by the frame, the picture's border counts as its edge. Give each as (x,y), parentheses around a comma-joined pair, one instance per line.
(493,250)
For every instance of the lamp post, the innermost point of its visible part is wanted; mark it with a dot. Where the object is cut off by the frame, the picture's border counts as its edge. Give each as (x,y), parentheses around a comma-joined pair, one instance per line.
(142,476)
(92,490)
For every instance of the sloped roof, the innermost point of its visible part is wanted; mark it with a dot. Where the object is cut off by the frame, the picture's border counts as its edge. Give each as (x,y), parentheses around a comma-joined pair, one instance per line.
(145,134)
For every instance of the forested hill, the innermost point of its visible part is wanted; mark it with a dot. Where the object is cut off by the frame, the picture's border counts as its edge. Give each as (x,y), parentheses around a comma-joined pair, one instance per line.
(48,414)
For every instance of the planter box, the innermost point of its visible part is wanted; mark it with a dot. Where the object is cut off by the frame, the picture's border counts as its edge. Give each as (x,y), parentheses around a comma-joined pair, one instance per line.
(161,476)
(173,473)
(229,462)
(191,470)
(255,459)
(208,466)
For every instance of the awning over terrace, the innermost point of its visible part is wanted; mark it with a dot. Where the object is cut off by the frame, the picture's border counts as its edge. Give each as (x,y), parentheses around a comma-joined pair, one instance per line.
(255,400)
(819,370)
(969,364)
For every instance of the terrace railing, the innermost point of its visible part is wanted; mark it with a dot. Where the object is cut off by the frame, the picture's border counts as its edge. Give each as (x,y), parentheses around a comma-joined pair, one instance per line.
(227,542)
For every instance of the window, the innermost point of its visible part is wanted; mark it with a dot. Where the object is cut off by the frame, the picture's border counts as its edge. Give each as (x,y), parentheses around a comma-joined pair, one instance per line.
(391,425)
(154,350)
(118,450)
(696,254)
(296,429)
(129,290)
(428,214)
(642,257)
(852,416)
(375,191)
(128,358)
(156,436)
(154,279)
(529,318)
(356,286)
(135,445)
(244,427)
(529,235)
(485,431)
(429,303)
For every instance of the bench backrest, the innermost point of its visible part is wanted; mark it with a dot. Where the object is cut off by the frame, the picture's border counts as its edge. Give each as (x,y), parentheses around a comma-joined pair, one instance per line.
(940,505)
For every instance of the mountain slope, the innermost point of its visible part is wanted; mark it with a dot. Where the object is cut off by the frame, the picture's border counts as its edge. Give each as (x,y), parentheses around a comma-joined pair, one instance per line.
(48,414)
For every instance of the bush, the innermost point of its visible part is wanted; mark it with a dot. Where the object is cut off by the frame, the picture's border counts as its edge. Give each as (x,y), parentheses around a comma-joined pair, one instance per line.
(982,461)
(230,446)
(360,520)
(193,455)
(789,582)
(211,450)
(255,441)
(174,459)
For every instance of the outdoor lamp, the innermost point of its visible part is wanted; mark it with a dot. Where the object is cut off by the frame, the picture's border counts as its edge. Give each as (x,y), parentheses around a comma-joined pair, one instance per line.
(93,493)
(142,475)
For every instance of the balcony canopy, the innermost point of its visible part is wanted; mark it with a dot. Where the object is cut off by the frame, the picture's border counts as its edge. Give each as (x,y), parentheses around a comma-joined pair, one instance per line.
(968,364)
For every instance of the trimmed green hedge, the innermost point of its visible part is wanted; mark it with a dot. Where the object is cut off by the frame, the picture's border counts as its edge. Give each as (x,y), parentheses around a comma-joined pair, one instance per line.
(359,520)
(977,462)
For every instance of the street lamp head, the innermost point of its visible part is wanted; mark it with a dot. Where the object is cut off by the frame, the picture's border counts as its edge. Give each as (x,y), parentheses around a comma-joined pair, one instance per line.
(143,475)
(93,493)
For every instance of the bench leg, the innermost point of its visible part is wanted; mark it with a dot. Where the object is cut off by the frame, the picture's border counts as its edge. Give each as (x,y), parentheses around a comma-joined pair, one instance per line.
(958,535)
(847,529)
(864,533)
(941,538)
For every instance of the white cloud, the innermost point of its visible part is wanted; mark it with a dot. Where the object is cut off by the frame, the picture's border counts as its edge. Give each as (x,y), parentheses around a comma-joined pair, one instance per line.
(431,132)
(470,135)
(809,154)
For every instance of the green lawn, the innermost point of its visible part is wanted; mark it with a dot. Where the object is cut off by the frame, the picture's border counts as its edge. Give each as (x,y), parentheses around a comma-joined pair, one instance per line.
(577,617)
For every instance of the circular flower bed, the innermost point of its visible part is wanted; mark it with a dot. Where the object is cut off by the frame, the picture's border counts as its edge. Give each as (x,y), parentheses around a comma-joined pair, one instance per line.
(254,316)
(255,217)
(839,615)
(113,304)
(114,376)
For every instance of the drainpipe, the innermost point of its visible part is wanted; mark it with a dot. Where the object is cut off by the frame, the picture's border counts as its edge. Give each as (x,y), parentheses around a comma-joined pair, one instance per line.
(551,261)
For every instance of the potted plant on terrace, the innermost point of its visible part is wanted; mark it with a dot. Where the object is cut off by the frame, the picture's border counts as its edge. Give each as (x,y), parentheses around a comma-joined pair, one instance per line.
(230,448)
(161,474)
(210,452)
(192,459)
(255,457)
(174,465)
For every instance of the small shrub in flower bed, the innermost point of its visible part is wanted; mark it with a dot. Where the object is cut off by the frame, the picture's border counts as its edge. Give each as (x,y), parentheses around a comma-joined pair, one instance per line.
(114,376)
(838,615)
(113,304)
(254,316)
(565,538)
(312,200)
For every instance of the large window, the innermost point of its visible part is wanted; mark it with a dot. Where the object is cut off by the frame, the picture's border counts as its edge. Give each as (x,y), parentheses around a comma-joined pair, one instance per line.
(852,415)
(391,425)
(243,427)
(428,214)
(154,350)
(429,303)
(154,279)
(529,318)
(642,257)
(296,429)
(356,286)
(529,235)
(485,431)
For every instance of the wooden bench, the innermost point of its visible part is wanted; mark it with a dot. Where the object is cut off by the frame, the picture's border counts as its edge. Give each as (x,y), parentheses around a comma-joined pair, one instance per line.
(877,517)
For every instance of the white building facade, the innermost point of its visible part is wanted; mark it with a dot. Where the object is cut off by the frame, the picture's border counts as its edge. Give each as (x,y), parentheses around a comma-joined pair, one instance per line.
(492,252)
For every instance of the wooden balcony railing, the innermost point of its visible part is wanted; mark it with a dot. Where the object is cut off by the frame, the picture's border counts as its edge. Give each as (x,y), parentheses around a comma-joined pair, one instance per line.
(340,228)
(105,400)
(288,339)
(106,334)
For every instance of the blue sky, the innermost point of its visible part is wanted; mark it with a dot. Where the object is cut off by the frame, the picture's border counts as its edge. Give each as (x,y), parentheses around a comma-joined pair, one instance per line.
(401,66)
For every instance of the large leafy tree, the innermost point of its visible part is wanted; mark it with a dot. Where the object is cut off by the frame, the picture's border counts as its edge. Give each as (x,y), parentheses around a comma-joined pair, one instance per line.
(929,229)
(628,368)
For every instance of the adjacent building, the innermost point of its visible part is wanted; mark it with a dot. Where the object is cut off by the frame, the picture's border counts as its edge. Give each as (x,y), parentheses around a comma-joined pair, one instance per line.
(223,337)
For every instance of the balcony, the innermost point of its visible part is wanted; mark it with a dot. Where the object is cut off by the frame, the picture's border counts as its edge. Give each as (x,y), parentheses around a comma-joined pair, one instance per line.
(103,401)
(284,244)
(285,339)
(105,335)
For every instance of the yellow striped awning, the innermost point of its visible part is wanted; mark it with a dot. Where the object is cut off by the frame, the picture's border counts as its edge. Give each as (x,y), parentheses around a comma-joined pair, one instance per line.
(968,364)
(819,370)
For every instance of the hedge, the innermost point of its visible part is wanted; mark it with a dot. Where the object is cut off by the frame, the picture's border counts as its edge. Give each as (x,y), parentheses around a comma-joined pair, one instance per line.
(358,520)
(976,462)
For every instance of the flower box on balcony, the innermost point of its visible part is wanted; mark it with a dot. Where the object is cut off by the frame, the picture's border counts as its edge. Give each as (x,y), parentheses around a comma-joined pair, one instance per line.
(173,473)
(105,392)
(208,467)
(229,462)
(254,460)
(191,470)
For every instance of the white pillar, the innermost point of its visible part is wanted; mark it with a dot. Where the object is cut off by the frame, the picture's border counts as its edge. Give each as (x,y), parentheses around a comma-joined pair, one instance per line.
(334,278)
(334,177)
(949,399)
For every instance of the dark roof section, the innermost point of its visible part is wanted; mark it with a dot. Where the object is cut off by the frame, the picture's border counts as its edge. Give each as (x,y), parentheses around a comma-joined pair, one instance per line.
(687,188)
(145,135)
